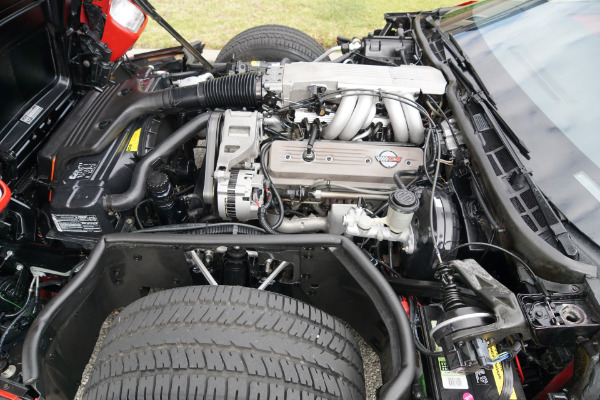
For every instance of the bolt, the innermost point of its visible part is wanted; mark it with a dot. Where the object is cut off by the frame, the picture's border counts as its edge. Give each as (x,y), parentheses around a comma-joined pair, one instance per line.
(288,156)
(408,162)
(125,92)
(574,288)
(208,256)
(137,258)
(5,386)
(19,267)
(367,161)
(86,63)
(129,221)
(103,124)
(329,159)
(538,314)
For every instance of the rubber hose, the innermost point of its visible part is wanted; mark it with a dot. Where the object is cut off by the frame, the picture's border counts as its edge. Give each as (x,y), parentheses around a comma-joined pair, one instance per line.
(242,90)
(137,188)
(219,230)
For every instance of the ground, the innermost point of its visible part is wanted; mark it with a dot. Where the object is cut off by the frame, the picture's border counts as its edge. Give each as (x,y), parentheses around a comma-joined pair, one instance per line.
(216,21)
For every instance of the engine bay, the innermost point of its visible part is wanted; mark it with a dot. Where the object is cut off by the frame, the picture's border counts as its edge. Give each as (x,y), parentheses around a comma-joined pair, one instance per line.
(381,161)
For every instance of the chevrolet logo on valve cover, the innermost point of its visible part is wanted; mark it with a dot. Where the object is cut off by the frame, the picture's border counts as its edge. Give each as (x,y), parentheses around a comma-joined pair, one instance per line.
(388,159)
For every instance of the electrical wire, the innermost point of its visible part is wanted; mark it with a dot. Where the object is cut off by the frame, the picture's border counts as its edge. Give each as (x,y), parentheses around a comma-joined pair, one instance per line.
(20,314)
(507,386)
(14,304)
(420,346)
(431,203)
(262,210)
(536,281)
(136,210)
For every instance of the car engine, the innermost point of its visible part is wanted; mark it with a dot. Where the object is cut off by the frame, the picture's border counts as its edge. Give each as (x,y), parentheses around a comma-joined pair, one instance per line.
(297,147)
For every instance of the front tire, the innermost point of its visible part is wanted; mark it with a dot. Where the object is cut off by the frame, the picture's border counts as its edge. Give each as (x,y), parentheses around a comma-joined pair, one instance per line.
(270,43)
(220,342)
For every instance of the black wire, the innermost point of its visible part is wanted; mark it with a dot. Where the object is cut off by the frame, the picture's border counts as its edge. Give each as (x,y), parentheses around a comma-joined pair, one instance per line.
(435,178)
(507,386)
(454,135)
(275,134)
(263,154)
(536,281)
(411,318)
(136,210)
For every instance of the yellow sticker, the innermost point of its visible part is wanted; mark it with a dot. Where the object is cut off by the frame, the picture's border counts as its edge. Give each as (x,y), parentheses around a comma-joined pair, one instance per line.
(498,372)
(134,141)
(254,63)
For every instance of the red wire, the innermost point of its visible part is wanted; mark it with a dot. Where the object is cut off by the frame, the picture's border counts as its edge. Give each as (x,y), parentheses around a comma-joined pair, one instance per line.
(519,370)
(558,382)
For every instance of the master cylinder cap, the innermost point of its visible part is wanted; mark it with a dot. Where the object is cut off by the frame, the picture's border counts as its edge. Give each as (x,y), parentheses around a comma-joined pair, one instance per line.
(403,204)
(404,201)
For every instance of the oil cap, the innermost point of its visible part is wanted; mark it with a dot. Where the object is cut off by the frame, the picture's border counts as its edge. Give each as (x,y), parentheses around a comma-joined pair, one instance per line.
(404,201)
(158,182)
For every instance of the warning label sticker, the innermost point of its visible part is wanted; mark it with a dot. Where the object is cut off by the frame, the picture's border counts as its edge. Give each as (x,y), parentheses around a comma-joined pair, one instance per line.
(76,223)
(134,142)
(83,171)
(31,114)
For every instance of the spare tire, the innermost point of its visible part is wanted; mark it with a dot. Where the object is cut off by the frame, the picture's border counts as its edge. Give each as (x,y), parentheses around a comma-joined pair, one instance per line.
(223,342)
(271,43)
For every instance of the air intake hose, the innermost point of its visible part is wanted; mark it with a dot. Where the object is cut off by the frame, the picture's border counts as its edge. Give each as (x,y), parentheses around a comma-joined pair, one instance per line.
(242,90)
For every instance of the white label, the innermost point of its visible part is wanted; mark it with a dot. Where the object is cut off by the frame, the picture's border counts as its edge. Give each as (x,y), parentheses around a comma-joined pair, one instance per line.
(450,380)
(76,223)
(31,114)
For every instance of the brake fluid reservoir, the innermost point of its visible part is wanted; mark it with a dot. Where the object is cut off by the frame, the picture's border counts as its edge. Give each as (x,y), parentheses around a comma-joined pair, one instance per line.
(402,206)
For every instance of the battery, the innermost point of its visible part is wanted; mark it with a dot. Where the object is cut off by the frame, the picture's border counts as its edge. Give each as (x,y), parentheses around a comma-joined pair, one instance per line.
(443,384)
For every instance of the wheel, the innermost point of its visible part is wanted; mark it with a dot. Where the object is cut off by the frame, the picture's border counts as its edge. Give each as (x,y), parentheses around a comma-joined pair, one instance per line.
(223,342)
(271,43)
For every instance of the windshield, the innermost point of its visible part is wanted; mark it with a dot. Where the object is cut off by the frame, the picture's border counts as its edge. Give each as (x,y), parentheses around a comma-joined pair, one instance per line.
(541,63)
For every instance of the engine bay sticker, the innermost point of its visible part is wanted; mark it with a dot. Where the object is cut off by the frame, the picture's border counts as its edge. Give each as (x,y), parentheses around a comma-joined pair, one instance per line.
(134,142)
(76,223)
(450,380)
(83,171)
(31,114)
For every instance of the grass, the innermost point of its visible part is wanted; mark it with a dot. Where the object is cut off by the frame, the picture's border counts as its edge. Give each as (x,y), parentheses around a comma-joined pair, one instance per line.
(216,21)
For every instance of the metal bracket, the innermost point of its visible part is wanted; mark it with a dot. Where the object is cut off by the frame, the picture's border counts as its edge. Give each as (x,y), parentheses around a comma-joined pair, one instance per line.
(502,301)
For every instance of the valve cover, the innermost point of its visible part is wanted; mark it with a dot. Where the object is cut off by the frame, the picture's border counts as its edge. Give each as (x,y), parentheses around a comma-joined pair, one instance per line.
(359,164)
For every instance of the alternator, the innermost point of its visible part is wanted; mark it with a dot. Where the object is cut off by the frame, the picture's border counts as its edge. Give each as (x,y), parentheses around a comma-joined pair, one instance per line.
(241,196)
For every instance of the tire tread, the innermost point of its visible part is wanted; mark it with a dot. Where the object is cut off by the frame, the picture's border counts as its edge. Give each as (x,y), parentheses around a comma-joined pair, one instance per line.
(219,342)
(246,45)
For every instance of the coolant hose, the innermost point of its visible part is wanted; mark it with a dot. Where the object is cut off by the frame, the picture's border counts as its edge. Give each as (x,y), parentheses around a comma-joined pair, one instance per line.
(137,189)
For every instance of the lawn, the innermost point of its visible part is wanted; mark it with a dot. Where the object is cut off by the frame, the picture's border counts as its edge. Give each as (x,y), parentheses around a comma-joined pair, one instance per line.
(216,21)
